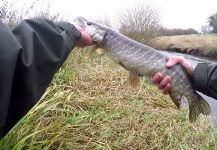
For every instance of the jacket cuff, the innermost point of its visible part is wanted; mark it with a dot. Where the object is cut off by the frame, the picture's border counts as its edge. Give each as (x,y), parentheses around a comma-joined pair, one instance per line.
(74,35)
(200,77)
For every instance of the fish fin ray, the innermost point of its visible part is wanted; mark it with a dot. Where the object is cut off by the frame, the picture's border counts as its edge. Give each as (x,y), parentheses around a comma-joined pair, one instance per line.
(203,105)
(194,112)
(134,80)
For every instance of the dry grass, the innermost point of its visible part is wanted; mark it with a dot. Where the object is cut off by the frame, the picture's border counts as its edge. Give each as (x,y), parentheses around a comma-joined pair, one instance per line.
(89,105)
(191,44)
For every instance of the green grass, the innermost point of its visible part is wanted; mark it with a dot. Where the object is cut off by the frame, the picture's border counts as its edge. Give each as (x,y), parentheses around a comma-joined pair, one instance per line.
(89,105)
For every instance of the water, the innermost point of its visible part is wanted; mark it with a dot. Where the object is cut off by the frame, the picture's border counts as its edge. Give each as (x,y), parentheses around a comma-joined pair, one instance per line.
(195,60)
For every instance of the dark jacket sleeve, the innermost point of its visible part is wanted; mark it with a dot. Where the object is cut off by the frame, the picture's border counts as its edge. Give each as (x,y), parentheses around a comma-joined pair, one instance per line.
(30,55)
(205,79)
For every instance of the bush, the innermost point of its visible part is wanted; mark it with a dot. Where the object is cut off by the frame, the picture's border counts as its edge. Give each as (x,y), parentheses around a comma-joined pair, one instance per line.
(140,22)
(177,31)
(212,20)
(12,16)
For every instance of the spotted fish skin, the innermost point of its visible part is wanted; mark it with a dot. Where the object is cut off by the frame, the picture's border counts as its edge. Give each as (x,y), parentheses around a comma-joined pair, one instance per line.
(146,61)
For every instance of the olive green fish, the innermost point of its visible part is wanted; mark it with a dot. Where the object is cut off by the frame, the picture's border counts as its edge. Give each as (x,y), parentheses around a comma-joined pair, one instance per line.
(142,60)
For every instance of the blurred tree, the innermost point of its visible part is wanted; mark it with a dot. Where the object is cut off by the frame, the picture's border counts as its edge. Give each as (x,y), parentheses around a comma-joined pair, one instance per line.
(140,22)
(177,31)
(105,20)
(7,15)
(46,14)
(206,29)
(12,16)
(212,20)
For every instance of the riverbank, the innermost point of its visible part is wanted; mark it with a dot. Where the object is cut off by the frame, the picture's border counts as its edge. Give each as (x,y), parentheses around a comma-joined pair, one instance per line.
(203,45)
(89,105)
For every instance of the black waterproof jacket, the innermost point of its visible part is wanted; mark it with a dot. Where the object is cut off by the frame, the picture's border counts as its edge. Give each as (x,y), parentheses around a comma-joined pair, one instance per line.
(30,55)
(205,79)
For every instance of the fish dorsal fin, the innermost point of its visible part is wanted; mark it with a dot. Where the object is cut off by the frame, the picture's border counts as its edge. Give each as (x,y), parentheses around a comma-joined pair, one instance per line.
(134,79)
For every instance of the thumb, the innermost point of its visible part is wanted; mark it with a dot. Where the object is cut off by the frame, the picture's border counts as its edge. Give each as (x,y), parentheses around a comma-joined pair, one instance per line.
(172,62)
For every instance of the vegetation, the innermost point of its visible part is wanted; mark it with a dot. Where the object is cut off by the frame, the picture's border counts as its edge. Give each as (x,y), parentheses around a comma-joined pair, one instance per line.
(170,32)
(200,45)
(89,105)
(140,22)
(212,20)
(12,16)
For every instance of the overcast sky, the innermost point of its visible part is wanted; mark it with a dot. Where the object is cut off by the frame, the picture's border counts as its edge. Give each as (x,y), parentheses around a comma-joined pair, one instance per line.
(173,13)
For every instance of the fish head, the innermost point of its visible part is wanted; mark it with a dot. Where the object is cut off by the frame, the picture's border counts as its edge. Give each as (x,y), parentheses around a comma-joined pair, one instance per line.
(96,32)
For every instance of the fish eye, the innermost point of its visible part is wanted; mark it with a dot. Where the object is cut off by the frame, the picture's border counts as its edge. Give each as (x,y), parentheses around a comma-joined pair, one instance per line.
(89,23)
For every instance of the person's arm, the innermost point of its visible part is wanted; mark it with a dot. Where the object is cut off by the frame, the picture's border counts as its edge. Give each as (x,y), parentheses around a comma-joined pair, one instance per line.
(205,79)
(30,55)
(204,76)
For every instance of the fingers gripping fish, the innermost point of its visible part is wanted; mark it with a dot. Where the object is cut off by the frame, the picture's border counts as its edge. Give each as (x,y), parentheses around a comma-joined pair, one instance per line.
(142,60)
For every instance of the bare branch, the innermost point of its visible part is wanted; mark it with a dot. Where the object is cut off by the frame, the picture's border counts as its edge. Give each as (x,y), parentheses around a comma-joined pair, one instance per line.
(139,22)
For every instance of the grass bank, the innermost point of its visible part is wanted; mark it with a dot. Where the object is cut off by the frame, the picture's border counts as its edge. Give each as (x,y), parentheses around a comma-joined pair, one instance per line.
(89,105)
(195,44)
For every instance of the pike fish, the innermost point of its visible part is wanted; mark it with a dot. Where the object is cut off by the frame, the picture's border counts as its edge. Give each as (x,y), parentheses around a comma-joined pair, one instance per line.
(142,60)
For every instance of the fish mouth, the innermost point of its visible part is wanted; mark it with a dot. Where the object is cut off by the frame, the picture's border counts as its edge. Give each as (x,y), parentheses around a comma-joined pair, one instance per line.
(91,28)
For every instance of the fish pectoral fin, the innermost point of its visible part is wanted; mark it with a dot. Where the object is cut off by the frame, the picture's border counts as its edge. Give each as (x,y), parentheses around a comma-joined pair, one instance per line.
(93,50)
(100,51)
(96,49)
(134,80)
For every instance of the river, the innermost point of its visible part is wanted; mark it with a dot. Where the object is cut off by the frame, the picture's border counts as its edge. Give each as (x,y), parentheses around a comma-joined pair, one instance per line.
(195,60)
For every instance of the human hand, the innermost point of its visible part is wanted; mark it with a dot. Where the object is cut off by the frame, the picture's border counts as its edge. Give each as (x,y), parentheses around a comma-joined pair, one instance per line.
(164,81)
(85,38)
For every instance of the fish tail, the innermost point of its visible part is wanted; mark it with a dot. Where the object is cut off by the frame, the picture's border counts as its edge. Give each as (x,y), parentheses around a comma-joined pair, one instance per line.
(193,112)
(201,106)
